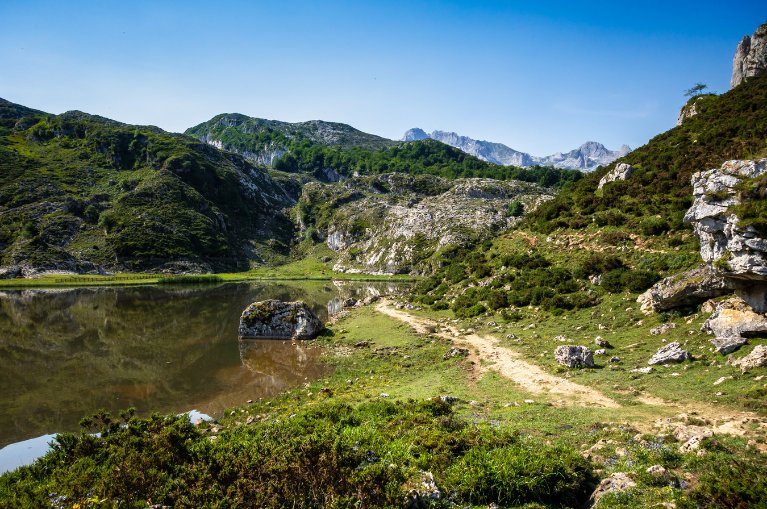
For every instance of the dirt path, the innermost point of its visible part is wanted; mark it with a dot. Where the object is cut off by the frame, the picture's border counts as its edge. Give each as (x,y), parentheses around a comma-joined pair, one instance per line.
(535,380)
(510,364)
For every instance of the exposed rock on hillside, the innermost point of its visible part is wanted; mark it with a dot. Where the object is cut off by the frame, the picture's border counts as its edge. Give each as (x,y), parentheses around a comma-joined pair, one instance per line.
(750,57)
(738,251)
(586,157)
(731,323)
(756,359)
(683,290)
(264,141)
(622,171)
(274,319)
(394,223)
(689,110)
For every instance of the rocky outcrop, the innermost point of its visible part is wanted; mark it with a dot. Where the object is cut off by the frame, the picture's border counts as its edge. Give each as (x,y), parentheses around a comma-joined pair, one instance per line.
(274,319)
(622,171)
(750,57)
(683,290)
(574,356)
(732,323)
(689,110)
(738,252)
(756,359)
(394,223)
(672,352)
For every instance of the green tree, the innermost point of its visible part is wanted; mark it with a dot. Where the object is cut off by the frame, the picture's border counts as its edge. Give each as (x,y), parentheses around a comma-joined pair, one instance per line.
(696,90)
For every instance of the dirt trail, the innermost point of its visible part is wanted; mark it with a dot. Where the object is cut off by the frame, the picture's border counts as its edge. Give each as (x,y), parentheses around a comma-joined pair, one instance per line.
(510,364)
(537,381)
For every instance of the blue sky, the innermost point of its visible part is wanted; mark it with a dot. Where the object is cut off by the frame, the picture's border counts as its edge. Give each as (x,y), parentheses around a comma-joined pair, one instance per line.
(537,76)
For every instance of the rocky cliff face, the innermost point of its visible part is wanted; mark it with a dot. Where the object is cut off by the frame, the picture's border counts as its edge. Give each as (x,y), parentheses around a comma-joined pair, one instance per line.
(736,248)
(750,57)
(392,224)
(586,157)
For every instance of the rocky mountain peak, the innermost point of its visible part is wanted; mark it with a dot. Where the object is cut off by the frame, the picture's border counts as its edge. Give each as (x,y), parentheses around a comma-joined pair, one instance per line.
(415,134)
(586,157)
(750,57)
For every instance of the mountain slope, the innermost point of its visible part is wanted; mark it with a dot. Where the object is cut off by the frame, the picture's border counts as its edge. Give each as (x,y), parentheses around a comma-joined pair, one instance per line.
(263,141)
(83,193)
(587,157)
(730,126)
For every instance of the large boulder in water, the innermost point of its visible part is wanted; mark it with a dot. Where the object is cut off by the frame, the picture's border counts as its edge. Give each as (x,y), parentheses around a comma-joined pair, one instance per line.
(275,319)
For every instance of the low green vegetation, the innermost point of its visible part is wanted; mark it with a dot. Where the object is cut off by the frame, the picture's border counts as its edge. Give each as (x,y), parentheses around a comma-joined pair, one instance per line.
(414,158)
(303,148)
(79,191)
(376,433)
(730,126)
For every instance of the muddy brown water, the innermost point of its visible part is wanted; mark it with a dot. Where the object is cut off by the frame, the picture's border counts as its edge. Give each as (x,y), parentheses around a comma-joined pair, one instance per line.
(65,354)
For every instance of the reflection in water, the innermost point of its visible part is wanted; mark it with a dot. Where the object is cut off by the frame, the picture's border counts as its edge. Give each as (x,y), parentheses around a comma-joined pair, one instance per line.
(279,364)
(65,354)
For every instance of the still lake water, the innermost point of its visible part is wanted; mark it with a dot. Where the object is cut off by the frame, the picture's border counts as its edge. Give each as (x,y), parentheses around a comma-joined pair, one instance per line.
(65,354)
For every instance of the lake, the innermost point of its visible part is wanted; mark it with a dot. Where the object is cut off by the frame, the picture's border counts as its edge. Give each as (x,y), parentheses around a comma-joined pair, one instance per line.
(65,354)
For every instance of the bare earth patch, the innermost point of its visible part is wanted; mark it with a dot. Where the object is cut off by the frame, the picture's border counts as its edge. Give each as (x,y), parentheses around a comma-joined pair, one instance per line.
(510,364)
(535,380)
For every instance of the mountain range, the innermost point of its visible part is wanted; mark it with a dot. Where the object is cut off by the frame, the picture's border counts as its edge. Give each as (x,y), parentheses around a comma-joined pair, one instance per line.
(587,157)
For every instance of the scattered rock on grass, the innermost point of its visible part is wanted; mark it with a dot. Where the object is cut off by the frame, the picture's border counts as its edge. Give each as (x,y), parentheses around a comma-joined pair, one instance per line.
(756,359)
(618,481)
(599,341)
(662,329)
(456,352)
(671,352)
(422,491)
(574,356)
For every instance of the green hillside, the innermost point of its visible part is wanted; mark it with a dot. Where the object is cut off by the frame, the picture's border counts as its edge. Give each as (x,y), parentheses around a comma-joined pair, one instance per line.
(243,134)
(80,192)
(575,250)
(729,126)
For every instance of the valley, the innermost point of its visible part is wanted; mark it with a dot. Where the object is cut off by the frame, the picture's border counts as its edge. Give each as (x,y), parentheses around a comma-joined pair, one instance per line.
(495,335)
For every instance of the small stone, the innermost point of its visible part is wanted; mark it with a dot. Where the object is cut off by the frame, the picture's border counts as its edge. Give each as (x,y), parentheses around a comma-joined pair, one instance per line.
(723,379)
(599,341)
(643,371)
(384,395)
(615,359)
(657,470)
(455,352)
(671,352)
(574,356)
(448,399)
(662,329)
(601,351)
(617,482)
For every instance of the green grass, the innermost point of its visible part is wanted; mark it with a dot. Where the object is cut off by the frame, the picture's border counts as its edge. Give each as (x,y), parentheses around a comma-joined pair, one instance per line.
(365,432)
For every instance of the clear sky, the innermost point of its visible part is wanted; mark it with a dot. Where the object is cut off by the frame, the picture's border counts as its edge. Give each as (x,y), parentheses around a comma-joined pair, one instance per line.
(538,76)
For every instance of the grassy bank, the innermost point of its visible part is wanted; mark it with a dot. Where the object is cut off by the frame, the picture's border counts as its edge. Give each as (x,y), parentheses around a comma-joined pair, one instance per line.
(395,422)
(306,269)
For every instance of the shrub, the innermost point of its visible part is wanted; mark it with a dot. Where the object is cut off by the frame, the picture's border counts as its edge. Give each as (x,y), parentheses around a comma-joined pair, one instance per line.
(518,474)
(652,226)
